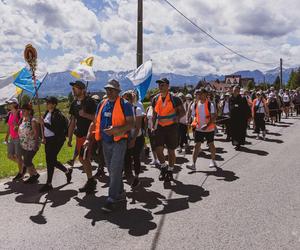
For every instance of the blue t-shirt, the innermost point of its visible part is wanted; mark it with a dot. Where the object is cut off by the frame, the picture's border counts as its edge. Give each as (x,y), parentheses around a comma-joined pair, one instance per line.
(106,117)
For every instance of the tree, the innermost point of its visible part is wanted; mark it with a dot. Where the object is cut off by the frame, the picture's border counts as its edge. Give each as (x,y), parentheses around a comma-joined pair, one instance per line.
(25,99)
(276,83)
(294,80)
(70,98)
(250,85)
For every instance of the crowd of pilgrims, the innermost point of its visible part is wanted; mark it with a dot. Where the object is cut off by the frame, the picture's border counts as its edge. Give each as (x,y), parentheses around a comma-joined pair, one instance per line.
(112,131)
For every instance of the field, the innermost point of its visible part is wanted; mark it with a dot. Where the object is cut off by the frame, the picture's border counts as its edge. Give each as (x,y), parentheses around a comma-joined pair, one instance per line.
(9,168)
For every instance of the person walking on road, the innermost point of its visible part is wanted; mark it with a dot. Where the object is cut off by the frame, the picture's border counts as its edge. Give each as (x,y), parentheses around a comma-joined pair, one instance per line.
(168,110)
(12,139)
(239,115)
(82,113)
(111,125)
(55,130)
(260,111)
(29,141)
(204,124)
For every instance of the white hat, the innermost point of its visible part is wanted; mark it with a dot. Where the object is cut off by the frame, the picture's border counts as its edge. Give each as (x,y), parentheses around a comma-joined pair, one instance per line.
(12,100)
(188,96)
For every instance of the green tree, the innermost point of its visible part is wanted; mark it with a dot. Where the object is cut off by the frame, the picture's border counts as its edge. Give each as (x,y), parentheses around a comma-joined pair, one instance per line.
(250,85)
(25,99)
(70,98)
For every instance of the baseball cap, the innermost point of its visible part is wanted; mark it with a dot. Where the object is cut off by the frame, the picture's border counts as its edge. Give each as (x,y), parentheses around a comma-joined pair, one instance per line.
(188,96)
(78,84)
(163,80)
(12,100)
(113,84)
(51,99)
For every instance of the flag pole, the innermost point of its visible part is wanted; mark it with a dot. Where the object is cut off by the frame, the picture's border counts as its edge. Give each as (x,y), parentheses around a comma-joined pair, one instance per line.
(30,55)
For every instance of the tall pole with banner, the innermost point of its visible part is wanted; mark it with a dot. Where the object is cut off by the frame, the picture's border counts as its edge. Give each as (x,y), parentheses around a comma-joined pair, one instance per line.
(139,53)
(30,56)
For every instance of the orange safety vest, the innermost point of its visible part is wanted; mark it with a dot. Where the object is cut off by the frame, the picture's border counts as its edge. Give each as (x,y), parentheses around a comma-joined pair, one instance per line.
(118,119)
(165,111)
(211,126)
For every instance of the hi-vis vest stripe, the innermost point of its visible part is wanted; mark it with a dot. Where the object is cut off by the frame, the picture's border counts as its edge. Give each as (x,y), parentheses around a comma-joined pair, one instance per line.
(166,113)
(118,119)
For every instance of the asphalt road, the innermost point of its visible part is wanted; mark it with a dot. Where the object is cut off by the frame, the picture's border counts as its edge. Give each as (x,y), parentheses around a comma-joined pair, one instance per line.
(252,201)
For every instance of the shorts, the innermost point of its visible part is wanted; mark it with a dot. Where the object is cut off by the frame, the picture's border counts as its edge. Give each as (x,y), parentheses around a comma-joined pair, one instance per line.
(167,136)
(14,148)
(79,143)
(204,136)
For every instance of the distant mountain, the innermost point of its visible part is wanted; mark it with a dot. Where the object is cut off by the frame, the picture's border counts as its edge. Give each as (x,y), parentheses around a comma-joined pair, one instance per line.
(58,83)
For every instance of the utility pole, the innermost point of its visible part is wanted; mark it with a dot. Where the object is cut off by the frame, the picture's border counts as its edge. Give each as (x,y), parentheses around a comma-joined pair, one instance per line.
(281,81)
(139,54)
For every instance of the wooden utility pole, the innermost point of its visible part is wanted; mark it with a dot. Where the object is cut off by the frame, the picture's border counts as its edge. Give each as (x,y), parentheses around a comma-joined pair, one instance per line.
(281,80)
(139,53)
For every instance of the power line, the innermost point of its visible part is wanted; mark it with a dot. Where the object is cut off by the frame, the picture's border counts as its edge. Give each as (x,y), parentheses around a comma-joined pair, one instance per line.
(214,39)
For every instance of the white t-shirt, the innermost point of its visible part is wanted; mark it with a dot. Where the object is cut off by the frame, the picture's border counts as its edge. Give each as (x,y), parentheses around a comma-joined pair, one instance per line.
(226,108)
(201,110)
(137,112)
(183,120)
(285,98)
(47,132)
(261,107)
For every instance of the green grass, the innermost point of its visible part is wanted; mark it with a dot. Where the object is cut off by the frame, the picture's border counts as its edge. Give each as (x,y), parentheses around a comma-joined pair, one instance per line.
(10,168)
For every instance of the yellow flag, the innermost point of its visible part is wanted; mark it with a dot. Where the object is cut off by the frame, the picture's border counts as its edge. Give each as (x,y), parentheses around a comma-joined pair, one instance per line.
(88,61)
(19,91)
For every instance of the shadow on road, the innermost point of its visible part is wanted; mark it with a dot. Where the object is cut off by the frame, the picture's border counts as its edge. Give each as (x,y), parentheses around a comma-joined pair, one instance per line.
(274,140)
(138,222)
(254,151)
(225,175)
(29,194)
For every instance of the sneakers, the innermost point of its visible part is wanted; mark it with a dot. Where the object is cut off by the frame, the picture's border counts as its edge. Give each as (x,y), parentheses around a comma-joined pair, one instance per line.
(18,177)
(135,183)
(212,164)
(154,162)
(191,167)
(89,186)
(32,179)
(163,172)
(108,207)
(168,176)
(46,188)
(69,175)
(100,172)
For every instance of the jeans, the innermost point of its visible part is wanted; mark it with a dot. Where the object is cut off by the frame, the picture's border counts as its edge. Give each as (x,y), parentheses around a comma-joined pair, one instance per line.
(114,155)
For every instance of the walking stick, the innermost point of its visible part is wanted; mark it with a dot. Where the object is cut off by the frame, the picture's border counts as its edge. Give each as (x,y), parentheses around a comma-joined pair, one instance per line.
(30,55)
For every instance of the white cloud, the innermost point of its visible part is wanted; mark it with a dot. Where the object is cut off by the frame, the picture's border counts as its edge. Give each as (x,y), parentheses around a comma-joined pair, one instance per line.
(66,31)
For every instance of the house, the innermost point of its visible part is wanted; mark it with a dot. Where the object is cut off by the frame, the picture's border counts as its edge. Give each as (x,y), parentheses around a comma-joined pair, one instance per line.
(237,79)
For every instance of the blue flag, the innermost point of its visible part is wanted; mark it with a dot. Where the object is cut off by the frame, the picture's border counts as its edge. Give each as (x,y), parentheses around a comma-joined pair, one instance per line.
(24,81)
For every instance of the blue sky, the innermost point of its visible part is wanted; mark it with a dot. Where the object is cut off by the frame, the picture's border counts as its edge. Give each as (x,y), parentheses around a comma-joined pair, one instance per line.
(66,31)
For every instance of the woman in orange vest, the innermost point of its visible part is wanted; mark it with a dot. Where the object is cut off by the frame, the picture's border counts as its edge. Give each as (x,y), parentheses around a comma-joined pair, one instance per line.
(113,121)
(204,124)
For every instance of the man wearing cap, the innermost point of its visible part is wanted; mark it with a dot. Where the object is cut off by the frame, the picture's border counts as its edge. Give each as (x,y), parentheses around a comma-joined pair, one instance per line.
(239,115)
(113,121)
(82,113)
(168,109)
(204,123)
(12,136)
